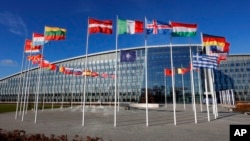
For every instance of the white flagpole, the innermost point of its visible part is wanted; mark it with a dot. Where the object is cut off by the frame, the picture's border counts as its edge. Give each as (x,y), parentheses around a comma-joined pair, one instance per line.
(85,69)
(53,87)
(232,92)
(20,80)
(25,91)
(23,88)
(146,74)
(165,83)
(206,91)
(206,87)
(116,47)
(183,90)
(199,85)
(173,81)
(64,91)
(192,86)
(38,85)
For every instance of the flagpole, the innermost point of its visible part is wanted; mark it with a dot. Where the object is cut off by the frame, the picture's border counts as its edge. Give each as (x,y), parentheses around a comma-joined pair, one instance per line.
(20,80)
(38,85)
(206,85)
(192,86)
(210,80)
(53,97)
(23,88)
(173,81)
(25,91)
(183,91)
(85,68)
(165,83)
(116,47)
(146,75)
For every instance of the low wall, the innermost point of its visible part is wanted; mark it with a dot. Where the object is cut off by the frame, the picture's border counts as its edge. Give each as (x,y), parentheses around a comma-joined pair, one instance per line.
(143,105)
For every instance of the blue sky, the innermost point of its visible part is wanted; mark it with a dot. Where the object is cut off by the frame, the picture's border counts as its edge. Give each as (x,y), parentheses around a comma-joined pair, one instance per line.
(19,19)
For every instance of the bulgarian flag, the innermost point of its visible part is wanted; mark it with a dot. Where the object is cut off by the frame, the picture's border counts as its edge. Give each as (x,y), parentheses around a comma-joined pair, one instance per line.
(183,29)
(129,26)
(54,33)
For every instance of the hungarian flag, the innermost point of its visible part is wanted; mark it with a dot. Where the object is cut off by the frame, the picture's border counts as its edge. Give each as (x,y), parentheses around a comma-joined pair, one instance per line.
(168,72)
(54,33)
(129,26)
(29,48)
(211,40)
(38,39)
(100,26)
(183,29)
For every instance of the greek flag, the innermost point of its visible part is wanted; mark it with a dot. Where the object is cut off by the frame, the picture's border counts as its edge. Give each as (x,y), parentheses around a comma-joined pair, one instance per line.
(205,61)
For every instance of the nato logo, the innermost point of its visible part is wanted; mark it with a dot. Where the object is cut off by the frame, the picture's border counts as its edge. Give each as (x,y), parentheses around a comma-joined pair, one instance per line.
(239,132)
(128,55)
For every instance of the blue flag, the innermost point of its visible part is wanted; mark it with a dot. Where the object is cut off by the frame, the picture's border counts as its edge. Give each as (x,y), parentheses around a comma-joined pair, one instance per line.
(205,61)
(155,27)
(128,56)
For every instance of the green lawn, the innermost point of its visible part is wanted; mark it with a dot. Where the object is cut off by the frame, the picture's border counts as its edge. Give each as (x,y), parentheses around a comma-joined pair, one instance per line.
(12,107)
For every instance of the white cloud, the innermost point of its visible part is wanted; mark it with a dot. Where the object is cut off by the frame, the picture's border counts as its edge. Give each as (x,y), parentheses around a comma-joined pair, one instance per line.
(13,23)
(8,62)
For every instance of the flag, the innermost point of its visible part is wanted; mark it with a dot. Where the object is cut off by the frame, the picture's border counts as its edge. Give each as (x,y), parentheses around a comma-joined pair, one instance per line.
(52,67)
(211,40)
(37,57)
(183,29)
(104,26)
(77,72)
(155,27)
(226,48)
(104,75)
(129,26)
(54,33)
(61,69)
(222,57)
(182,70)
(44,64)
(168,72)
(94,74)
(205,61)
(128,56)
(29,48)
(38,39)
(86,73)
(68,70)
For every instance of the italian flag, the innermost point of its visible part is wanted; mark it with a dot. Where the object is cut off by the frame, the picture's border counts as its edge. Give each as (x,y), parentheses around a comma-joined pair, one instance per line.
(183,29)
(129,26)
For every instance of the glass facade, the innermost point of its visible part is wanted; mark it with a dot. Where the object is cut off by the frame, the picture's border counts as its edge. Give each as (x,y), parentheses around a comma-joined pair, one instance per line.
(57,87)
(234,73)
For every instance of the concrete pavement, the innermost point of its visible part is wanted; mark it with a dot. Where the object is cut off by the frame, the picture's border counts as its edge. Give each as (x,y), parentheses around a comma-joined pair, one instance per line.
(131,124)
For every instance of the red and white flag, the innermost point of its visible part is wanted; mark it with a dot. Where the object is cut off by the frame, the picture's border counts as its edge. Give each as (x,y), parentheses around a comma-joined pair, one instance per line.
(102,26)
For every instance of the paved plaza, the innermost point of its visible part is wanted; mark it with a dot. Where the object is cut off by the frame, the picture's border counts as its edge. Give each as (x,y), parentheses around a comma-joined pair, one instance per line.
(131,124)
